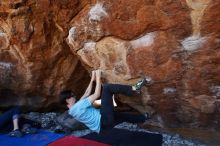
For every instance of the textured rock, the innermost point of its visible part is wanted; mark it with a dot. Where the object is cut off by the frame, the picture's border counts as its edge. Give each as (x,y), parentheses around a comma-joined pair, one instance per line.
(160,39)
(35,62)
(205,104)
(47,46)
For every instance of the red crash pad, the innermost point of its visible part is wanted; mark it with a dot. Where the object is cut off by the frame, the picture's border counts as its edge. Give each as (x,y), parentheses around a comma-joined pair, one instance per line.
(75,141)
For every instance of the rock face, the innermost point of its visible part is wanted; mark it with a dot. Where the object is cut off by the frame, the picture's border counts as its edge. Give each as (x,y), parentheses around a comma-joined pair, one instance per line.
(35,62)
(47,46)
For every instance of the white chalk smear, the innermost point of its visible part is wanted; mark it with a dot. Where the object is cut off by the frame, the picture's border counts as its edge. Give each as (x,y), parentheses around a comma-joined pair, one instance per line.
(97,12)
(71,36)
(5,65)
(169,90)
(144,41)
(2,34)
(193,43)
(89,45)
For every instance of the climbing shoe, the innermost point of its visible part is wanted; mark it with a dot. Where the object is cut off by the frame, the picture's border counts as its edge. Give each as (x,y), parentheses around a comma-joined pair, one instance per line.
(27,129)
(139,84)
(15,133)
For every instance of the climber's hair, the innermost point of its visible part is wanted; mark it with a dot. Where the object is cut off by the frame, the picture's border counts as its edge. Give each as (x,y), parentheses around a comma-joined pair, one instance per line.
(66,94)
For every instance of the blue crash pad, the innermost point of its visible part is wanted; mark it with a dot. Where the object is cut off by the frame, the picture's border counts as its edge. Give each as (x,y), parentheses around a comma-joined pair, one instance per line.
(41,138)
